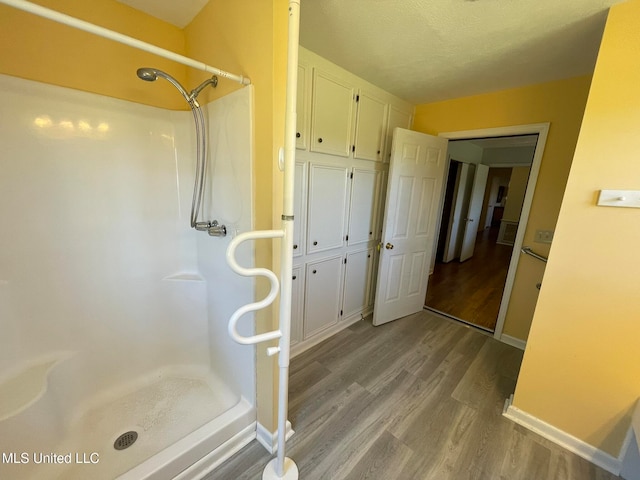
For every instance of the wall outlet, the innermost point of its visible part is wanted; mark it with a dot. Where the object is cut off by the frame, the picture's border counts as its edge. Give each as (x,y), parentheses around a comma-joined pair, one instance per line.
(544,236)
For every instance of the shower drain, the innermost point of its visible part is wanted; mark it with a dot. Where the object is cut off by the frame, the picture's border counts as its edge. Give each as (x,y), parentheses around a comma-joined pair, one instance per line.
(125,440)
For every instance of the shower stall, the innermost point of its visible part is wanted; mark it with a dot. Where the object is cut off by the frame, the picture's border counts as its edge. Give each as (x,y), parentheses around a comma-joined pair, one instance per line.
(115,360)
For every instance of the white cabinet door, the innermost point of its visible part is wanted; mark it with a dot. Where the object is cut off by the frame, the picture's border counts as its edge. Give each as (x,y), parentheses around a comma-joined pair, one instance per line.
(396,118)
(332,114)
(299,208)
(323,294)
(302,105)
(296,305)
(370,127)
(357,282)
(327,207)
(362,211)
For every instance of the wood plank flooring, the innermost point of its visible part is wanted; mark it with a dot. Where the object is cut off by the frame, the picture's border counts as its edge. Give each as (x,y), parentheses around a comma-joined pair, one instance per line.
(417,399)
(472,290)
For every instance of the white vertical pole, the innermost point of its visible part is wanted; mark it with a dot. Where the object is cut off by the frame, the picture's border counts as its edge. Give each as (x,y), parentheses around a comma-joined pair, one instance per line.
(285,468)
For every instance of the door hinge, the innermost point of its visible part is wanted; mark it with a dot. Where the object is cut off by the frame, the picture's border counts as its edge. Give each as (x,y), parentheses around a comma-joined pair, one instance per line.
(340,312)
(351,175)
(346,238)
(345,260)
(353,148)
(357,98)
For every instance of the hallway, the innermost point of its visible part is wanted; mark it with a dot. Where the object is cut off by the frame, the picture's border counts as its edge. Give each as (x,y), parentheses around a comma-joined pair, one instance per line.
(472,290)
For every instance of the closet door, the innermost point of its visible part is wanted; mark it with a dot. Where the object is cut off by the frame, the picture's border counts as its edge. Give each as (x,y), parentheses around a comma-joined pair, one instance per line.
(327,207)
(332,114)
(299,208)
(302,106)
(395,118)
(362,208)
(296,305)
(357,281)
(323,294)
(370,127)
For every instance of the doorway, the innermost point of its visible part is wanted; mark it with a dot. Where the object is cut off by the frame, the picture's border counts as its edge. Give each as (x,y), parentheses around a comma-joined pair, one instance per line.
(477,289)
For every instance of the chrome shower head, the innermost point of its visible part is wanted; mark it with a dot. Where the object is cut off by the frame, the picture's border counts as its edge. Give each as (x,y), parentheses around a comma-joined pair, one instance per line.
(147,74)
(151,75)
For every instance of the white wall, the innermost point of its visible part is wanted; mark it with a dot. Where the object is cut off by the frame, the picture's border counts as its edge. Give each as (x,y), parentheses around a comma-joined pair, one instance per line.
(96,255)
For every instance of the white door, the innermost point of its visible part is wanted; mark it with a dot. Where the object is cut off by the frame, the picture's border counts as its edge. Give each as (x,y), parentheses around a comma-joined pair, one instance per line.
(460,201)
(411,211)
(473,215)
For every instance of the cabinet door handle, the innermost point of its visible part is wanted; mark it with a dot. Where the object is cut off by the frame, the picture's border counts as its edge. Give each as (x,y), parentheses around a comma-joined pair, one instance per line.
(378,152)
(315,243)
(298,136)
(294,277)
(370,233)
(295,247)
(320,140)
(314,271)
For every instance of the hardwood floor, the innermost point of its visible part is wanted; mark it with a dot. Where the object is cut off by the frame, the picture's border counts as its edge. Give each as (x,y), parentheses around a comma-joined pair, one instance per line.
(472,290)
(417,399)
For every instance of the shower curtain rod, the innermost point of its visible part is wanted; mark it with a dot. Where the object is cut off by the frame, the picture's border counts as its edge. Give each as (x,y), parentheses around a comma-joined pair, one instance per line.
(121,38)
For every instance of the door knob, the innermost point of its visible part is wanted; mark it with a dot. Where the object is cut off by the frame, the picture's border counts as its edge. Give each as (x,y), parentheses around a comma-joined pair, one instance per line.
(389,246)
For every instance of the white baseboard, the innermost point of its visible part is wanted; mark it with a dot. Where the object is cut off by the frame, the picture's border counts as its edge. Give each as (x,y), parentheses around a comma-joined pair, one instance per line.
(513,341)
(269,440)
(562,438)
(212,460)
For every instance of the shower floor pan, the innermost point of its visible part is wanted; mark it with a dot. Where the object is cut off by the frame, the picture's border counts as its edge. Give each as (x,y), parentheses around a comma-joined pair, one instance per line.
(184,429)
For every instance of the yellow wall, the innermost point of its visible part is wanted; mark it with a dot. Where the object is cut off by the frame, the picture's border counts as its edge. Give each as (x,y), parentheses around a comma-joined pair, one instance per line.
(246,37)
(562,104)
(515,194)
(38,49)
(581,371)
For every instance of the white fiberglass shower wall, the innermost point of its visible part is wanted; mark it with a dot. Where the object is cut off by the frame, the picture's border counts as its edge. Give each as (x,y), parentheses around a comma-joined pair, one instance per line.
(113,311)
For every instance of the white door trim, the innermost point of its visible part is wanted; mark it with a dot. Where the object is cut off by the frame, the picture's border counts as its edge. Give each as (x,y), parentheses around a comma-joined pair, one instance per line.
(542,129)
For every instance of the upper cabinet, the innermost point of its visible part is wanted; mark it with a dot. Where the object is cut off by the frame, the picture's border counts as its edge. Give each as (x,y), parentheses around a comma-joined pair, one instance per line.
(396,118)
(331,114)
(343,114)
(370,127)
(303,107)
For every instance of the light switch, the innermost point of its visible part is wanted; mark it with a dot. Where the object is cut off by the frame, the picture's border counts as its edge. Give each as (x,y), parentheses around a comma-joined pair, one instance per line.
(619,198)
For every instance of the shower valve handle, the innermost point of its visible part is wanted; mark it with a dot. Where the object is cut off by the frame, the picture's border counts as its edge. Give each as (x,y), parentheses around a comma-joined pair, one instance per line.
(213,228)
(216,230)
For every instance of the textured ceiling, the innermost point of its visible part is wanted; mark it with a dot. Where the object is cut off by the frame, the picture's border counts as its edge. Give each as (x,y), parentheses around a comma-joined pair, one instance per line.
(430,50)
